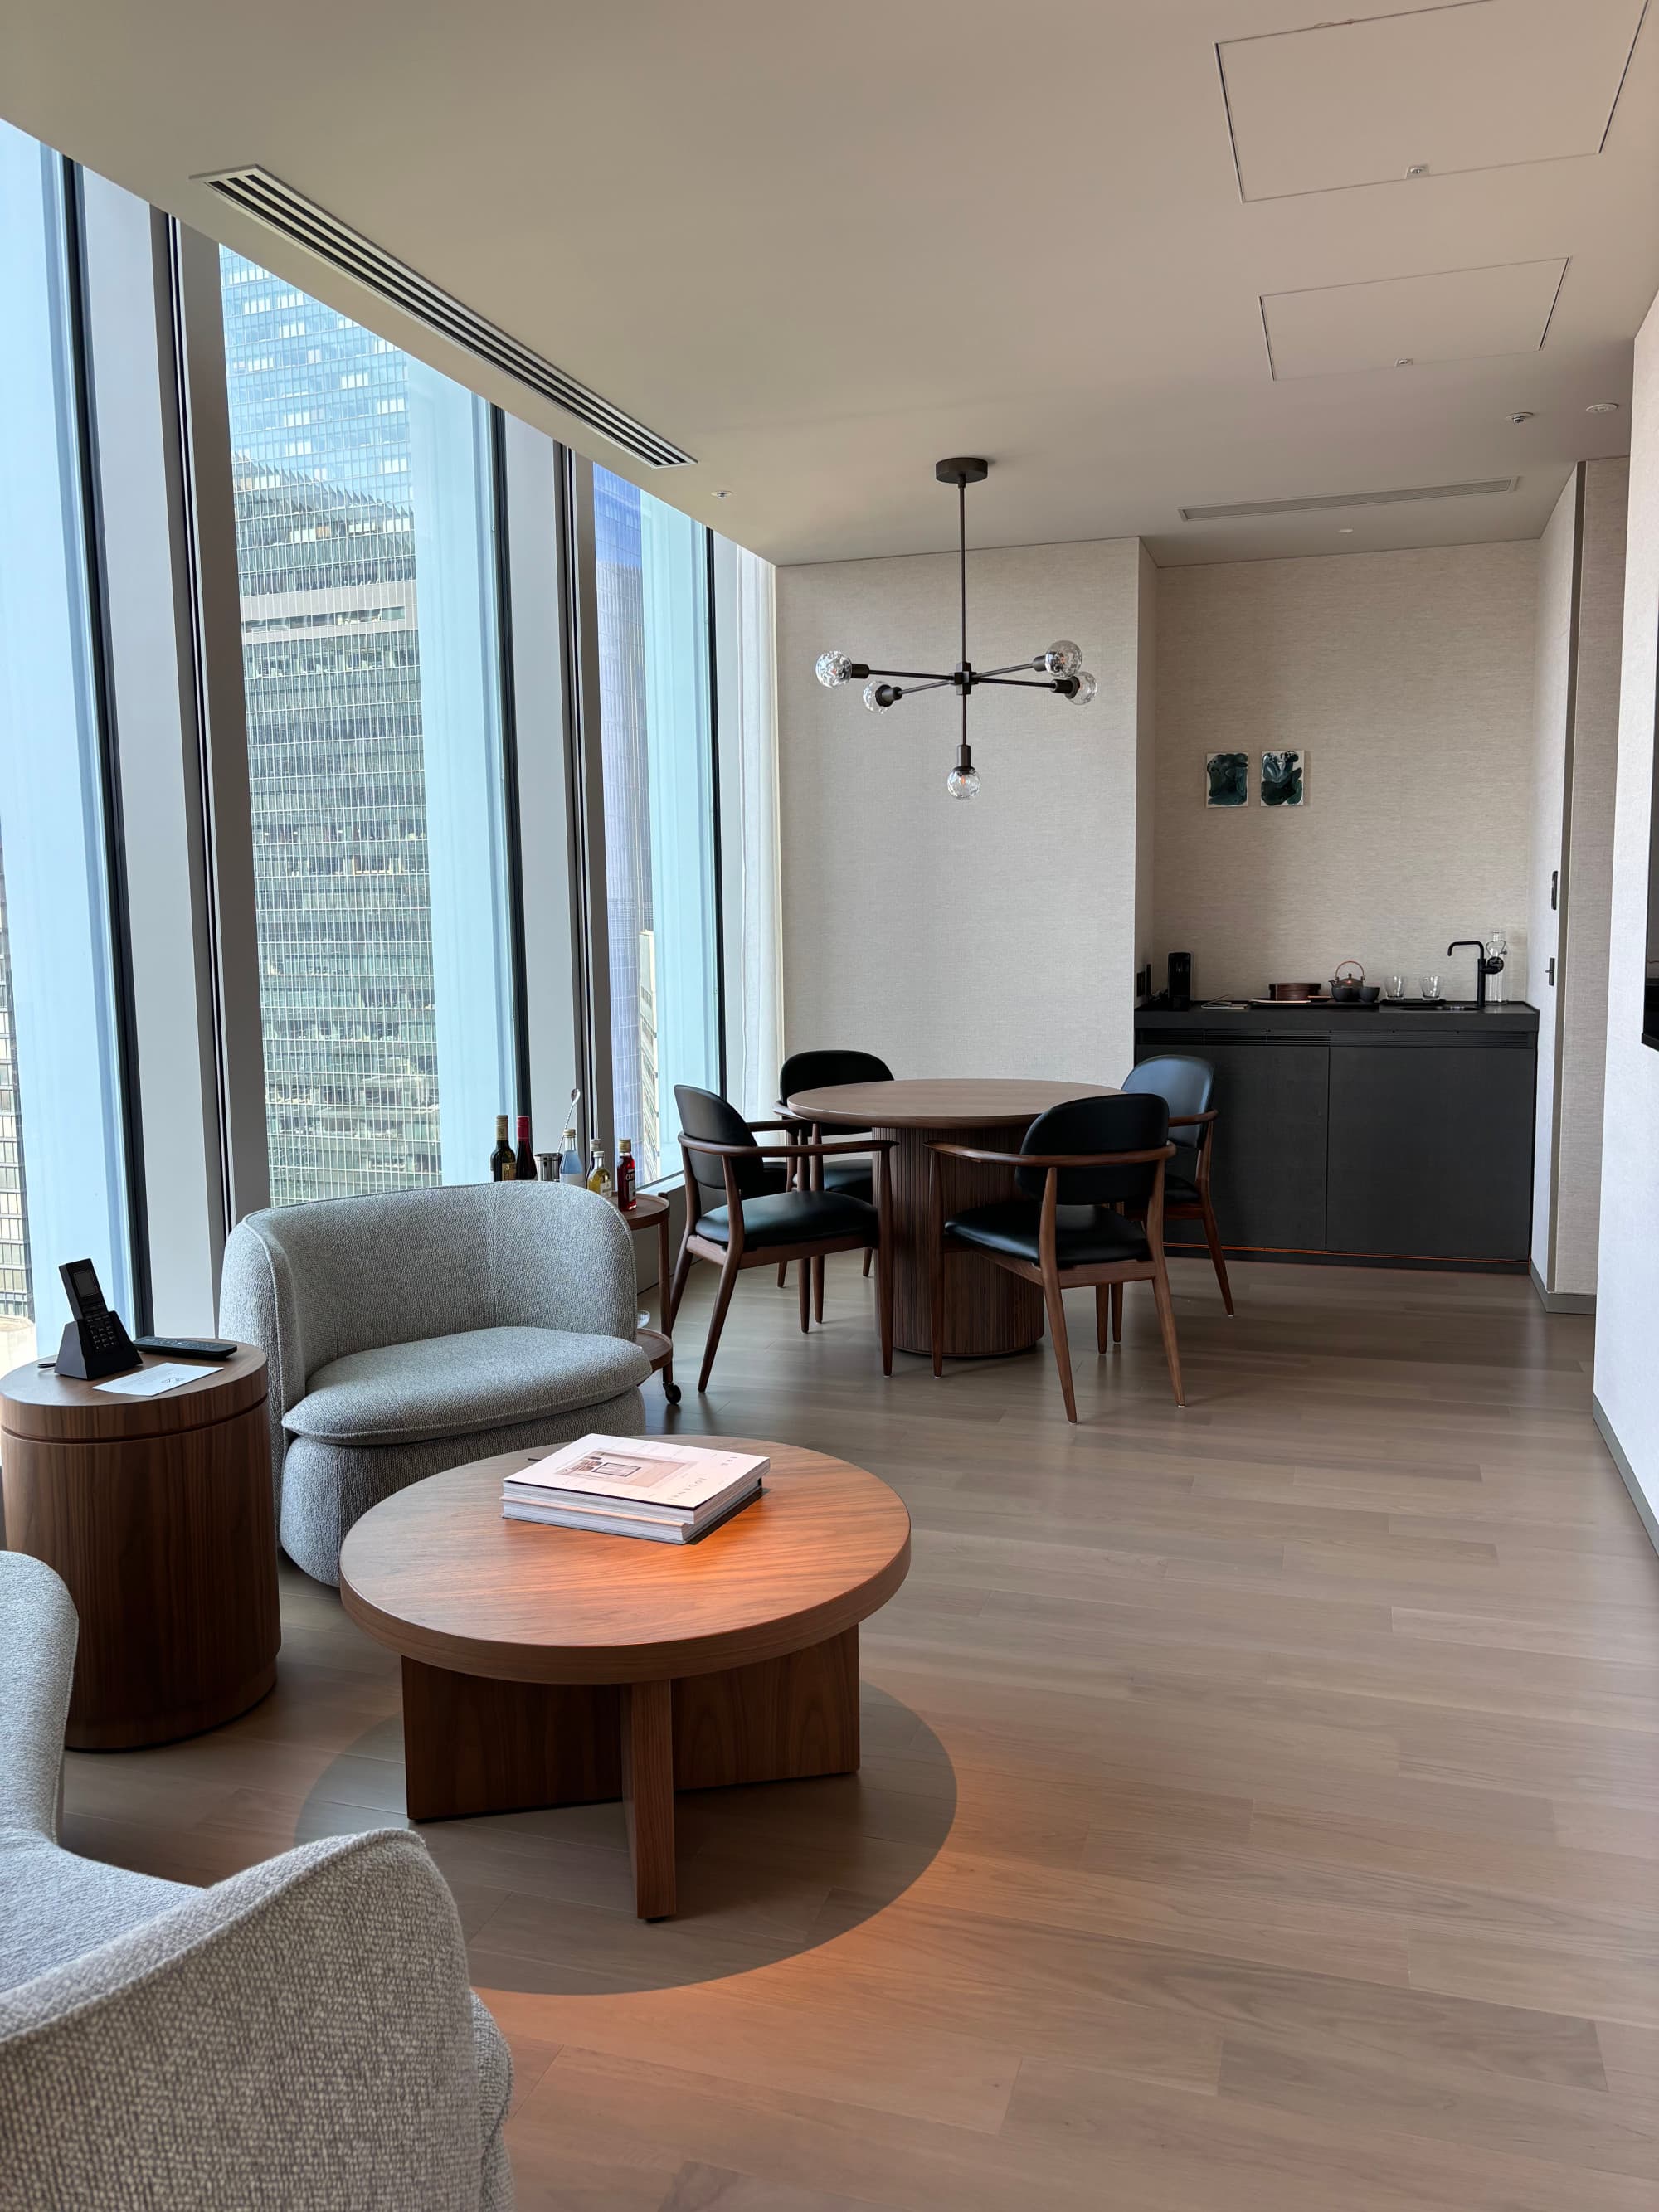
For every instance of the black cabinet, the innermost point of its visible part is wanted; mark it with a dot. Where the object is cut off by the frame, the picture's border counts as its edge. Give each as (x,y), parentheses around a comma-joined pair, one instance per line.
(1268,1166)
(1385,1135)
(1430,1151)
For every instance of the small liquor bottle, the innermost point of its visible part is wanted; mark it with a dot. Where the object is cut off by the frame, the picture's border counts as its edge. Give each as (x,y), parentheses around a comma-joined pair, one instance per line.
(570,1161)
(625,1192)
(501,1160)
(524,1160)
(599,1176)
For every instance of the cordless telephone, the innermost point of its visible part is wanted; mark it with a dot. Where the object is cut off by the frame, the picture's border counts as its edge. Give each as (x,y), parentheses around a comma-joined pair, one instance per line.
(95,1342)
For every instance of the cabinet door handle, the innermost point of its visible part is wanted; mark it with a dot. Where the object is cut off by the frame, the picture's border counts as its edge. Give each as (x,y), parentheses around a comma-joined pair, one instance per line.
(1555,890)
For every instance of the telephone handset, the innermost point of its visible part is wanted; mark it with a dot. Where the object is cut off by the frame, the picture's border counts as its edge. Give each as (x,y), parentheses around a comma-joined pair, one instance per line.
(95,1342)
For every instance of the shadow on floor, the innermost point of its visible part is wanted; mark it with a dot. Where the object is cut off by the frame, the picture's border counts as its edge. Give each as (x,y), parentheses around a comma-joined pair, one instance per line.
(764,1872)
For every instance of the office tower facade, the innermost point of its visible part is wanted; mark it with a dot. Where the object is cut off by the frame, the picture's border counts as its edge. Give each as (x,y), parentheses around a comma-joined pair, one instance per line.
(16,1298)
(331,667)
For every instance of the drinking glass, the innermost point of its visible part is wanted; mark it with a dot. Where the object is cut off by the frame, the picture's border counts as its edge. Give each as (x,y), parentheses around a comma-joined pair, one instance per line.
(1428,988)
(1396,987)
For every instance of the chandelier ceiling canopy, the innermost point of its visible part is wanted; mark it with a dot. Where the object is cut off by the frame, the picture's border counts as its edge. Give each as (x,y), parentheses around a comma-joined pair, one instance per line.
(1059,669)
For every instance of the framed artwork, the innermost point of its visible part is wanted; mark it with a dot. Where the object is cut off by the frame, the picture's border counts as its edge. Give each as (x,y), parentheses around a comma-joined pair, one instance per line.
(1226,778)
(1284,779)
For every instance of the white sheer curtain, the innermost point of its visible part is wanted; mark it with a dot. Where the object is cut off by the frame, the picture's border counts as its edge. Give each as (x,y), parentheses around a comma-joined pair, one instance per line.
(749,773)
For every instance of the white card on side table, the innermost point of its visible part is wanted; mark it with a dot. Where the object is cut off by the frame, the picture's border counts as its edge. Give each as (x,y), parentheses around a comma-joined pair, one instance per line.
(154,1381)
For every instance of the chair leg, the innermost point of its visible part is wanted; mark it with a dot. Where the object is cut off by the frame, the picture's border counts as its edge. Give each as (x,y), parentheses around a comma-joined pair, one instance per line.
(729,1274)
(1053,1299)
(676,1289)
(783,1273)
(869,1254)
(936,1308)
(1166,1322)
(1117,1313)
(1212,1238)
(804,1271)
(884,1302)
(817,1291)
(1102,1314)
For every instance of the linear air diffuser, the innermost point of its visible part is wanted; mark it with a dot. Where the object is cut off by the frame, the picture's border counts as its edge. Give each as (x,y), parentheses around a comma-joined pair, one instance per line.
(1247,506)
(269,201)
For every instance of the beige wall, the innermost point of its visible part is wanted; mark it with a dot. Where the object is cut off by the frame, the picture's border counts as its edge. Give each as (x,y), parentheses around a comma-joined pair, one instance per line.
(1627,1288)
(994,937)
(1552,692)
(1581,582)
(1408,679)
(1582,973)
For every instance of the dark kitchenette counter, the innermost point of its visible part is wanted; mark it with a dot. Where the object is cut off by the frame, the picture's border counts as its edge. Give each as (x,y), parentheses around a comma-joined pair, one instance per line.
(1395,1134)
(1506,1023)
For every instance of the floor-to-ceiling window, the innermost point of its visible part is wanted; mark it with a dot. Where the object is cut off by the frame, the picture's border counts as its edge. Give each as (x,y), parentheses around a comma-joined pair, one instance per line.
(652,600)
(63,1173)
(365,544)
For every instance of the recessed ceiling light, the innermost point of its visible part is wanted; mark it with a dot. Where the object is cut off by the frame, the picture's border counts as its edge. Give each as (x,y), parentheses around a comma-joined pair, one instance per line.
(722,495)
(1602,407)
(1405,361)
(1345,530)
(1524,415)
(1417,169)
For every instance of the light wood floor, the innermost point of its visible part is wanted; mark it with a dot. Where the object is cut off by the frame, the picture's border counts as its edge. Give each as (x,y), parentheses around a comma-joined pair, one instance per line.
(1259,1810)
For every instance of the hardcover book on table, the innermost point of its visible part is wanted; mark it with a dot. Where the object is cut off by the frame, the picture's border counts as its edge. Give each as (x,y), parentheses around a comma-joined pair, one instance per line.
(643,1478)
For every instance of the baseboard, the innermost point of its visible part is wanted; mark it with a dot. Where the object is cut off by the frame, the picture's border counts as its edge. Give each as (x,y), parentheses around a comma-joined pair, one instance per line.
(1411,1263)
(1562,1302)
(1649,1520)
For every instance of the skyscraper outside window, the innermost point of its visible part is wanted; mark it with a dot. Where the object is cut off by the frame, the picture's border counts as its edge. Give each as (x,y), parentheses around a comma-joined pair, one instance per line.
(63,1159)
(365,546)
(656,735)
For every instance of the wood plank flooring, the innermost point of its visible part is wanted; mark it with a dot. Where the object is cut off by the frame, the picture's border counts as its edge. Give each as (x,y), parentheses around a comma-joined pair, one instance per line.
(1260,1806)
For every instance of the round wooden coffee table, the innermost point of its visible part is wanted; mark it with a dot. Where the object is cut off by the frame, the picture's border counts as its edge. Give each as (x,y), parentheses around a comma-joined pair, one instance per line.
(560,1667)
(986,1309)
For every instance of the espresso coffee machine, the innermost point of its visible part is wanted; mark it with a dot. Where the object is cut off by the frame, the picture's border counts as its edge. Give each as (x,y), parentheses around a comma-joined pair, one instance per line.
(1180,982)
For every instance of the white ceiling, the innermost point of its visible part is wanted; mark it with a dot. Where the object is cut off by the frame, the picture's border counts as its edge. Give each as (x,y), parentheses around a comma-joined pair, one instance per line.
(820,247)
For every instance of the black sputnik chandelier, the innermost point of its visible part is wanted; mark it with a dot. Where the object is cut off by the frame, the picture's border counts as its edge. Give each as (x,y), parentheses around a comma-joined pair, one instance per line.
(1060,668)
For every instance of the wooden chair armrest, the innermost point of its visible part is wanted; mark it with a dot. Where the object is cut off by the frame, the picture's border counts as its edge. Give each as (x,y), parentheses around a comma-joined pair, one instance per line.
(788,1151)
(1054,1159)
(1186,1120)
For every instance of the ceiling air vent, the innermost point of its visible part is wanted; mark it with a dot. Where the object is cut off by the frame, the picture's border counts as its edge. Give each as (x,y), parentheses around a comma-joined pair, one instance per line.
(269,201)
(1247,506)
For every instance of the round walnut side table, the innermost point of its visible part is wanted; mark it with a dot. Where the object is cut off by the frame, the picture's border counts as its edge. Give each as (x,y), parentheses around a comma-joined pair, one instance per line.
(157,1512)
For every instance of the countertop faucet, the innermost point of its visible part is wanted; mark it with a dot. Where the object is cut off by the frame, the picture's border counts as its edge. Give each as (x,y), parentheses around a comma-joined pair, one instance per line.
(1484,966)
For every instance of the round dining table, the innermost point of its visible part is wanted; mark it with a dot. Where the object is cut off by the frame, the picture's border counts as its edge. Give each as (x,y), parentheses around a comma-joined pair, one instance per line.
(988,1311)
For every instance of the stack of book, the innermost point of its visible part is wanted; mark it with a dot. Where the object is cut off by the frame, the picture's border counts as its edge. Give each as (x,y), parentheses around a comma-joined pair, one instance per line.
(670,1493)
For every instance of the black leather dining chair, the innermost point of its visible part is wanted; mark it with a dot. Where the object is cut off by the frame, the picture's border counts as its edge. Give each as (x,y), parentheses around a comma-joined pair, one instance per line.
(738,1215)
(1186,1086)
(1090,1211)
(816,1071)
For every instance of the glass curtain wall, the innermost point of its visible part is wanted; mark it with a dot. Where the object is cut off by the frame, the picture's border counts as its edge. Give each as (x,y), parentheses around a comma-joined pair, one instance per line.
(365,546)
(63,1176)
(661,876)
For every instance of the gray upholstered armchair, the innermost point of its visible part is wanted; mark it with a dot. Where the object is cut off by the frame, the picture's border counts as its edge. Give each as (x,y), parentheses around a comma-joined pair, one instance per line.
(417,1331)
(302,2034)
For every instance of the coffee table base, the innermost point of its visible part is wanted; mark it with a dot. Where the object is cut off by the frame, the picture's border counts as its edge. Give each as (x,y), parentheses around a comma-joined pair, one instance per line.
(472,1745)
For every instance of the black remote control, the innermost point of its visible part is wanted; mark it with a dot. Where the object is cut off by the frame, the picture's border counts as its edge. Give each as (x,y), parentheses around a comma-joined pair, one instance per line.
(188,1347)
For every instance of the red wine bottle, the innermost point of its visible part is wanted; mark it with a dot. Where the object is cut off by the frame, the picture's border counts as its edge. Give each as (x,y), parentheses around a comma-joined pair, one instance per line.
(625,1172)
(524,1160)
(501,1160)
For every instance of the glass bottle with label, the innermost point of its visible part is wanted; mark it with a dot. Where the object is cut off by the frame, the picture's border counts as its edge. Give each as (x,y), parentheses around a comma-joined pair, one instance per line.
(598,1177)
(626,1196)
(570,1160)
(501,1160)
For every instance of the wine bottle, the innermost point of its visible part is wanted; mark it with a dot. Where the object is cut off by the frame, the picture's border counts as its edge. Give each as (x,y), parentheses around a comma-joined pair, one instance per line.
(501,1160)
(599,1176)
(524,1160)
(626,1198)
(570,1161)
